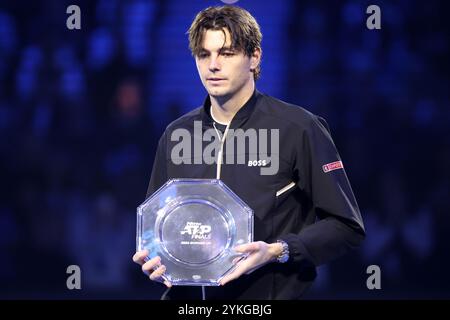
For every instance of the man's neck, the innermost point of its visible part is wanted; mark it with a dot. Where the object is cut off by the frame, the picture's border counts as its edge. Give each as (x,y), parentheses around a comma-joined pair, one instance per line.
(224,108)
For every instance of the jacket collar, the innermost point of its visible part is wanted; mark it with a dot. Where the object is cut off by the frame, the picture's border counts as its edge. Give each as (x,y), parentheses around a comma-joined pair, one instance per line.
(244,112)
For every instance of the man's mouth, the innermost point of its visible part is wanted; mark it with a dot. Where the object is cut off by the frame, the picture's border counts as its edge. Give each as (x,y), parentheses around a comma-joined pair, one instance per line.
(215,79)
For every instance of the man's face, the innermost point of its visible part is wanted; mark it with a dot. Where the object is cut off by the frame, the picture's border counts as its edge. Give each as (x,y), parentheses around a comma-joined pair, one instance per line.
(223,71)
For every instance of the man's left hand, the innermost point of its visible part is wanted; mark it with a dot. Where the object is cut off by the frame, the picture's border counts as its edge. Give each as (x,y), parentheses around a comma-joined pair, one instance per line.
(260,253)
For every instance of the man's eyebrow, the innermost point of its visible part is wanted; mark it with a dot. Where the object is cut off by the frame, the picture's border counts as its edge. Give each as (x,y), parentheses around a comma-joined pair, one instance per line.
(203,51)
(227,48)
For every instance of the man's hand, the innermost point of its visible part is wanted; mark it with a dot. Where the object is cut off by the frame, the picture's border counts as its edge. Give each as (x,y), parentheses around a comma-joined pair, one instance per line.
(260,253)
(153,265)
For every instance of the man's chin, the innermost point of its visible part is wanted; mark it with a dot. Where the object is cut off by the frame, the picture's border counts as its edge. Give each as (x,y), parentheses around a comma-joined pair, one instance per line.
(218,93)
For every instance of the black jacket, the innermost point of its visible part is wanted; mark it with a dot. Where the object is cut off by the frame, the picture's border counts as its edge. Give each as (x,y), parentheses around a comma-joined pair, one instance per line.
(317,214)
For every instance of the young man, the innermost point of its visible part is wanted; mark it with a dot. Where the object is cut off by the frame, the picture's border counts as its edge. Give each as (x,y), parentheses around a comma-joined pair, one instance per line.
(304,208)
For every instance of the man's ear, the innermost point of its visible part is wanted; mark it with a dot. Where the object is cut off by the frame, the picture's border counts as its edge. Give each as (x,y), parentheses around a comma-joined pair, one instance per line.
(255,59)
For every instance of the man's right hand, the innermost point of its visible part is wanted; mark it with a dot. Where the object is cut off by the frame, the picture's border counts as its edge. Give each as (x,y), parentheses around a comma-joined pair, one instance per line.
(153,267)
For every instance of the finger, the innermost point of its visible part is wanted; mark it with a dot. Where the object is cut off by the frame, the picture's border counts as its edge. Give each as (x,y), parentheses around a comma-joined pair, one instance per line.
(248,247)
(230,277)
(240,269)
(236,260)
(251,270)
(168,283)
(156,275)
(139,256)
(151,264)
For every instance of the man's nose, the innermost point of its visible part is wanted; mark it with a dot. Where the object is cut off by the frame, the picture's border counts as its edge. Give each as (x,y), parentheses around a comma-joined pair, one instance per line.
(214,63)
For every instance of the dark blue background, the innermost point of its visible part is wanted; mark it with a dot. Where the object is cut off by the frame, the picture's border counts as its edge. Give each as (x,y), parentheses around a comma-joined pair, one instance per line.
(81,112)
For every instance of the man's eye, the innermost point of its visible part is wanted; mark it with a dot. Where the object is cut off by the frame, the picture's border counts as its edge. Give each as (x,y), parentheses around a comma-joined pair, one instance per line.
(228,54)
(202,55)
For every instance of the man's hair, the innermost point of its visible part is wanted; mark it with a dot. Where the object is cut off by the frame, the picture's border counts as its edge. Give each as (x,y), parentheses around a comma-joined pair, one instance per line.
(242,26)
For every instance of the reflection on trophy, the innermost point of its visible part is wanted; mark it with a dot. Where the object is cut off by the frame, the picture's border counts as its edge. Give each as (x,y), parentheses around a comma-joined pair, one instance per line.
(193,225)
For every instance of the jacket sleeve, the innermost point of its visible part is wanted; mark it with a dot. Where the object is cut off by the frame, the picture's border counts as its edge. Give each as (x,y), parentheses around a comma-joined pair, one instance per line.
(159,171)
(339,226)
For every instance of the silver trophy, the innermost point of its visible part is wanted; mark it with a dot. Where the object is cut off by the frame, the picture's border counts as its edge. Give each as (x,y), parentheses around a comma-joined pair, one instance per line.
(193,225)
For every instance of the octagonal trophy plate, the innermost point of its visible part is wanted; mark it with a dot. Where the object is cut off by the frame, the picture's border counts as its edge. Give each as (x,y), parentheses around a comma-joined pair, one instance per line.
(193,225)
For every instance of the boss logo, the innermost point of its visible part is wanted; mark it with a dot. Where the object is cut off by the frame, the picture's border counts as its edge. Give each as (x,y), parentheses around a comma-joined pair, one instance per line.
(257,163)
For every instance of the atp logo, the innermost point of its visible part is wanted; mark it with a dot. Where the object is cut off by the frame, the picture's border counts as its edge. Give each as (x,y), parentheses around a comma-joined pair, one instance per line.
(197,230)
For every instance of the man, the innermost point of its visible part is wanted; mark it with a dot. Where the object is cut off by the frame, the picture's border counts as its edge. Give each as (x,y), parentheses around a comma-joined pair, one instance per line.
(304,208)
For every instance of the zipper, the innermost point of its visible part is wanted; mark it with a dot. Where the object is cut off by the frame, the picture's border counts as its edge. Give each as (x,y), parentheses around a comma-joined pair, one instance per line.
(220,154)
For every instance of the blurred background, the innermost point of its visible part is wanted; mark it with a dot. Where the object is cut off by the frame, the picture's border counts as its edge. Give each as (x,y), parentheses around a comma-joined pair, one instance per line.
(81,112)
